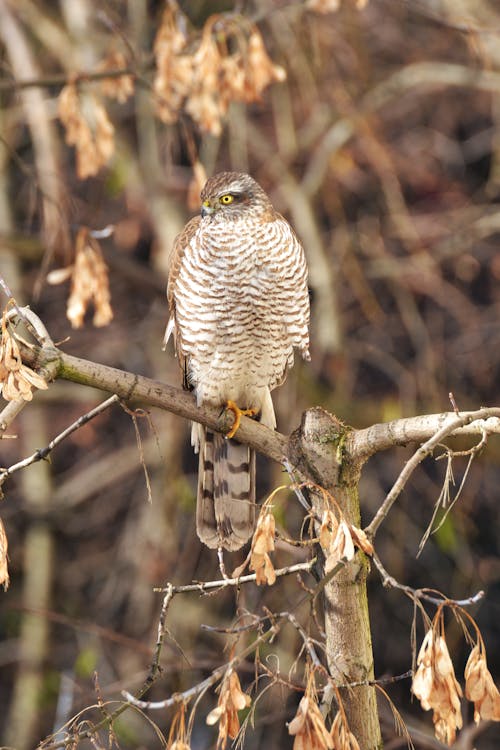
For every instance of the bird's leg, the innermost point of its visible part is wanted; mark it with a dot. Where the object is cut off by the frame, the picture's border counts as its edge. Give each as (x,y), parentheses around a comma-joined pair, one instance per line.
(238,414)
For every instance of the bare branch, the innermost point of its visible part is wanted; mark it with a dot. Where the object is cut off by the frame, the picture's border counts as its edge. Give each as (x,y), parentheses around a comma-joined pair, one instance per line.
(42,453)
(389,582)
(364,443)
(209,585)
(358,446)
(212,679)
(8,414)
(482,420)
(135,388)
(62,79)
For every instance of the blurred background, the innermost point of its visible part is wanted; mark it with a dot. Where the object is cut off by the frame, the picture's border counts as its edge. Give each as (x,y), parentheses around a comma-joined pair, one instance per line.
(375,128)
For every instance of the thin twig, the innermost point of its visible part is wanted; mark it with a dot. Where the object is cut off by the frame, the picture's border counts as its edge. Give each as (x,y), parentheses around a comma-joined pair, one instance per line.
(273,617)
(444,500)
(216,675)
(62,79)
(8,414)
(389,582)
(29,318)
(203,586)
(155,664)
(296,487)
(42,453)
(308,641)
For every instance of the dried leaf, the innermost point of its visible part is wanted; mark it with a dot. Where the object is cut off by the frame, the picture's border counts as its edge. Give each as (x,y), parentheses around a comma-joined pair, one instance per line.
(323,6)
(361,540)
(4,572)
(88,129)
(308,725)
(16,379)
(231,700)
(436,687)
(480,687)
(59,275)
(89,283)
(341,548)
(116,87)
(262,544)
(259,68)
(174,74)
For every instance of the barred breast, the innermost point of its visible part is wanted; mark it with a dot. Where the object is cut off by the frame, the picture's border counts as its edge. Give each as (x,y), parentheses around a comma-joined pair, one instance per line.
(242,306)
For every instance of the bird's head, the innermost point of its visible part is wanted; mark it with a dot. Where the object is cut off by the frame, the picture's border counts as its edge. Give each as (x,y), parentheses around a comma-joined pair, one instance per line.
(228,195)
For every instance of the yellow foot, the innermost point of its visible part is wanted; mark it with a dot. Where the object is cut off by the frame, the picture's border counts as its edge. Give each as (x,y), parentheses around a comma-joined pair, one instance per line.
(238,414)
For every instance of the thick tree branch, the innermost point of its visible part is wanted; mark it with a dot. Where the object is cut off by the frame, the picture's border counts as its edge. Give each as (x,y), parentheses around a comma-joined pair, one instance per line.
(359,445)
(138,389)
(364,443)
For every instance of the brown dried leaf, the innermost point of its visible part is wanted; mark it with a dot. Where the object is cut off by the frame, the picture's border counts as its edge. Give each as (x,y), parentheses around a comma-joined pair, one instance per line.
(343,738)
(4,572)
(240,700)
(88,129)
(116,87)
(328,529)
(342,547)
(231,700)
(262,544)
(480,687)
(177,736)
(59,275)
(89,283)
(308,726)
(323,6)
(361,540)
(174,74)
(16,379)
(204,102)
(214,715)
(259,68)
(436,687)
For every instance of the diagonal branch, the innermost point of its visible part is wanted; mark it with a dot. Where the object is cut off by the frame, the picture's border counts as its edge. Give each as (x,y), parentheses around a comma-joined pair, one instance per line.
(136,388)
(43,453)
(452,424)
(357,446)
(401,432)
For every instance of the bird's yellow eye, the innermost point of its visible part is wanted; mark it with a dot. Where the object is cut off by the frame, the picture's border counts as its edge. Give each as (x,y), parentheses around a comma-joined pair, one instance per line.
(226,199)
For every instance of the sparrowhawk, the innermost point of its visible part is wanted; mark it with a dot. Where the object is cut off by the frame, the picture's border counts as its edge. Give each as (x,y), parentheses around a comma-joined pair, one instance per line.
(239,306)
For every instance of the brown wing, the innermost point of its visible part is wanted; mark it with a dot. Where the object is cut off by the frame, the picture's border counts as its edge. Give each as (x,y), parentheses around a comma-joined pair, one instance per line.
(181,243)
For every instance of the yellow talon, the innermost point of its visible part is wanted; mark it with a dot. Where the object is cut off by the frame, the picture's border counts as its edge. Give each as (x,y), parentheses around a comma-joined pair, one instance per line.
(238,414)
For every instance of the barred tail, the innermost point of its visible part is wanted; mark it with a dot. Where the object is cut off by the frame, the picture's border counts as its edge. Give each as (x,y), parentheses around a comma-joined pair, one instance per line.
(225,513)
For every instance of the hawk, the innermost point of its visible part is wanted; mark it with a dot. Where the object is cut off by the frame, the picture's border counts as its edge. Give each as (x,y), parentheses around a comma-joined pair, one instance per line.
(239,306)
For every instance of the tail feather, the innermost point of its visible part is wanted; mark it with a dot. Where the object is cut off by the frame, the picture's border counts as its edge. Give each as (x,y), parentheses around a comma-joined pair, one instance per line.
(225,515)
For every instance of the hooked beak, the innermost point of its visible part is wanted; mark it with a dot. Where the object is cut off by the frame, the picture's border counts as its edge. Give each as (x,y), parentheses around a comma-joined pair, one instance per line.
(207,209)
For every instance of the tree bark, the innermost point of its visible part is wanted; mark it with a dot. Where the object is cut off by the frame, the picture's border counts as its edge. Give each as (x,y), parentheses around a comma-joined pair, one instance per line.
(318,449)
